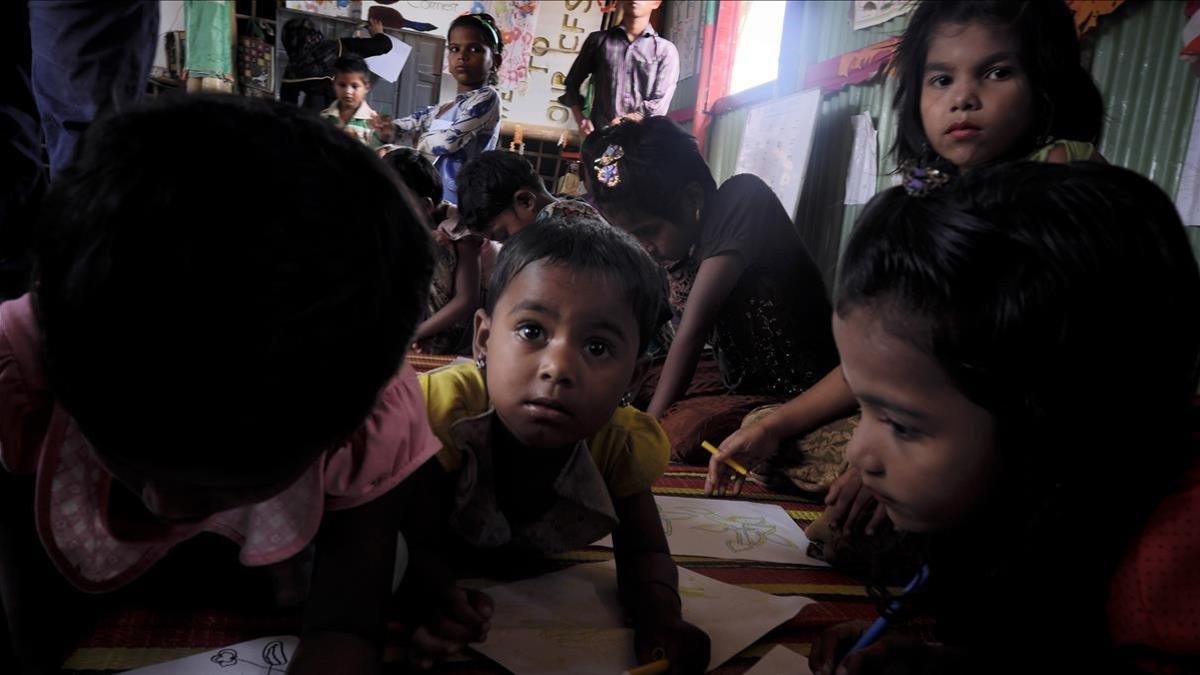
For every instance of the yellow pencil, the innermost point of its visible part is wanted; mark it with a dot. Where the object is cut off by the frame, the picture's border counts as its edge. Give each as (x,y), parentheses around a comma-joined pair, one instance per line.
(652,668)
(731,463)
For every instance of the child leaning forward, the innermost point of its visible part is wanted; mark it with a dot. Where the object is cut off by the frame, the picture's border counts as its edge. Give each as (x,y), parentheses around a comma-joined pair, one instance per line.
(539,454)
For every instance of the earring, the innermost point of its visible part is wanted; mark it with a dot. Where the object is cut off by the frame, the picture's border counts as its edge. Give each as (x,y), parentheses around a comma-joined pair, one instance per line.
(481,362)
(626,400)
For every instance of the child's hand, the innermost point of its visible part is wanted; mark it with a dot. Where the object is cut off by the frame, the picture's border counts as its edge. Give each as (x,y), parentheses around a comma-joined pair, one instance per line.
(897,653)
(384,129)
(847,498)
(376,26)
(585,127)
(748,446)
(681,643)
(462,616)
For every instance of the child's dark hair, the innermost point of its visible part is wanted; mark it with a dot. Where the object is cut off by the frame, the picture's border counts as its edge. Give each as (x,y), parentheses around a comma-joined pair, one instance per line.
(1067,103)
(489,32)
(658,160)
(216,341)
(416,172)
(1062,299)
(352,64)
(588,245)
(486,186)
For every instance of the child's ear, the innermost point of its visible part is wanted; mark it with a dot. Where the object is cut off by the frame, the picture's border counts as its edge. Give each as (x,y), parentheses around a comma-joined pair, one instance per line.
(483,330)
(692,202)
(525,204)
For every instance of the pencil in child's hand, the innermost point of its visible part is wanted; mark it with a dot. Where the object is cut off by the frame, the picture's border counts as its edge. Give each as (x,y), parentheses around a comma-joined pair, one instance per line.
(652,668)
(730,462)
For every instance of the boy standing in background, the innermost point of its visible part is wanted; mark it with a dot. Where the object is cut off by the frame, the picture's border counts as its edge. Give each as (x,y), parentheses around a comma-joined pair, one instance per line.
(350,112)
(634,70)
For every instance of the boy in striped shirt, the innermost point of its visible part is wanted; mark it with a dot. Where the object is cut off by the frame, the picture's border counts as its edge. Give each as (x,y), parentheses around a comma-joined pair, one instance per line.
(350,112)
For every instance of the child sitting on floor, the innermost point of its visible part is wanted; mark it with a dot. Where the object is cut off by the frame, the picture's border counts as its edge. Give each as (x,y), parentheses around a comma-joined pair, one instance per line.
(457,288)
(751,289)
(1025,347)
(501,194)
(539,454)
(979,82)
(350,112)
(183,378)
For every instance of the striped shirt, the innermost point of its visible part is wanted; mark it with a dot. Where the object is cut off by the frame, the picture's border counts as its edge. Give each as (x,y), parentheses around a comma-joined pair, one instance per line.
(629,77)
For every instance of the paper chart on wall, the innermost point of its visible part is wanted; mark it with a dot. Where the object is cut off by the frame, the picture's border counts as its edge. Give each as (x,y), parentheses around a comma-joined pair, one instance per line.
(777,141)
(862,179)
(570,622)
(781,660)
(264,656)
(732,530)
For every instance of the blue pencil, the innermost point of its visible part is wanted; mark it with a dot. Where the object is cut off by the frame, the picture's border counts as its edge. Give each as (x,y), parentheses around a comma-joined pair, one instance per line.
(877,628)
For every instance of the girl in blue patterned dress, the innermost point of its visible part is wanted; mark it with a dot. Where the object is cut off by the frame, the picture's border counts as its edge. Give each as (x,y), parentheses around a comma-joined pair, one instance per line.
(451,134)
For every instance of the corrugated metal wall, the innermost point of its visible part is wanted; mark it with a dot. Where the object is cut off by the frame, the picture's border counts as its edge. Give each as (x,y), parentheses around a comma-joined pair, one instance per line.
(1149,94)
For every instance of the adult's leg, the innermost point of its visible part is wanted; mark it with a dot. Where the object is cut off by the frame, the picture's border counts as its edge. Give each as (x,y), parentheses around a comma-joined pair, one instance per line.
(89,59)
(21,160)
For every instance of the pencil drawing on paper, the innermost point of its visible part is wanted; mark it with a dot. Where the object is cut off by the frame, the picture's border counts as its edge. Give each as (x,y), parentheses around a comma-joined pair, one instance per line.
(274,658)
(744,533)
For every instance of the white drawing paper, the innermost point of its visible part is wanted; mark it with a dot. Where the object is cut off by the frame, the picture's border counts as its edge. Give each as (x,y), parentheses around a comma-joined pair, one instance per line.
(777,142)
(264,656)
(864,172)
(781,660)
(389,64)
(570,622)
(732,530)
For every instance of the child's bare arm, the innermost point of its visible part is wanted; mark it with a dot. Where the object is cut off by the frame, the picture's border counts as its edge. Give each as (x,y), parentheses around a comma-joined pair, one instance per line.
(715,279)
(351,584)
(444,618)
(466,291)
(648,582)
(827,400)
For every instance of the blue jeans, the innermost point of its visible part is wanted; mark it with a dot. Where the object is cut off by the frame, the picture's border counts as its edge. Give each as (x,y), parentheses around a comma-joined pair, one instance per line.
(64,64)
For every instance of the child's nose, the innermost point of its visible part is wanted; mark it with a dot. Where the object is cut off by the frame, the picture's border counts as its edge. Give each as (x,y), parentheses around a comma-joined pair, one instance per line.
(861,451)
(965,97)
(558,363)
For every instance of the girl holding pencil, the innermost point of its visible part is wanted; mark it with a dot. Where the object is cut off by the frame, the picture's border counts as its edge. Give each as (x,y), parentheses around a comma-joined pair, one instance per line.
(981,328)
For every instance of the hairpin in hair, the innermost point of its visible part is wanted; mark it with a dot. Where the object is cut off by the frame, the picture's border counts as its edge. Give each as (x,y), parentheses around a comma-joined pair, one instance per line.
(919,181)
(491,28)
(608,171)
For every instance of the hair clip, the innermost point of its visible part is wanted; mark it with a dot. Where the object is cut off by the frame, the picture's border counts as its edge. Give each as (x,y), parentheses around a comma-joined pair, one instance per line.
(608,172)
(919,181)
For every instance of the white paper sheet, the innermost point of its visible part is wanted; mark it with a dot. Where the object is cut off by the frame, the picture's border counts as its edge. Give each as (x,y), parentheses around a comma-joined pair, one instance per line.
(264,656)
(1187,195)
(570,622)
(864,161)
(732,530)
(781,660)
(777,142)
(389,64)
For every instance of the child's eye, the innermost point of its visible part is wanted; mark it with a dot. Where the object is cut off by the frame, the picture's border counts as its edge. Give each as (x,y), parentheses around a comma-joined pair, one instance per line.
(476,49)
(900,431)
(999,73)
(940,81)
(530,331)
(598,348)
